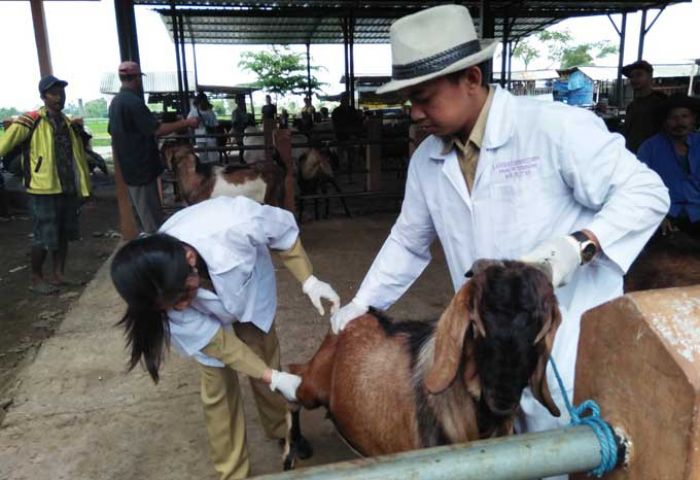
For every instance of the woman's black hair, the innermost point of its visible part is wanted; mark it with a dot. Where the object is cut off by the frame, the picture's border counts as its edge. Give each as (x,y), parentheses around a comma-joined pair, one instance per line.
(149,272)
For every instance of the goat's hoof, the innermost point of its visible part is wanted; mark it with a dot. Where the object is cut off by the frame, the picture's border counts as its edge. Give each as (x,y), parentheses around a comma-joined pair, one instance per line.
(288,463)
(304,448)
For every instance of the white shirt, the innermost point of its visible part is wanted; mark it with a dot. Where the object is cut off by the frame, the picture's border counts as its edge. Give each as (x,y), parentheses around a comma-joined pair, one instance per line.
(545,170)
(233,236)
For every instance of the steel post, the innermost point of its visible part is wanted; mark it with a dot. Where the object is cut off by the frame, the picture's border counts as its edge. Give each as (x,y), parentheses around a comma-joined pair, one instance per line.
(620,62)
(642,34)
(519,457)
(126,30)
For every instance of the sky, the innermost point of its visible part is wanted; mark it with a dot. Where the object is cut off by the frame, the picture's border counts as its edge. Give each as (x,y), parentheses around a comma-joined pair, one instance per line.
(83,42)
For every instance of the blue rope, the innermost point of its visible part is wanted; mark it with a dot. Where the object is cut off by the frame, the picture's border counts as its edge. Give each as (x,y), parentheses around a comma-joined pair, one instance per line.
(588,413)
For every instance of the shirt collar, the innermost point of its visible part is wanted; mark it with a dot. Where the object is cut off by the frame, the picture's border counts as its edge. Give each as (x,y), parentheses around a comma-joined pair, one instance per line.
(476,137)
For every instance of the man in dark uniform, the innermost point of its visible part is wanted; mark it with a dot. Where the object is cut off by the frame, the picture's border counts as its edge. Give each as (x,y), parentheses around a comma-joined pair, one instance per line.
(639,119)
(134,130)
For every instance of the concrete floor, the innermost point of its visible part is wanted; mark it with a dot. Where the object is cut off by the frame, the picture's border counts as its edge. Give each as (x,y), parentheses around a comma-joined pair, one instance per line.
(78,415)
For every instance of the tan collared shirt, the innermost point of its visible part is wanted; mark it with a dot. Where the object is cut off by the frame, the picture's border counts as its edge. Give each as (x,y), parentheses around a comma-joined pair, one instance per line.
(468,153)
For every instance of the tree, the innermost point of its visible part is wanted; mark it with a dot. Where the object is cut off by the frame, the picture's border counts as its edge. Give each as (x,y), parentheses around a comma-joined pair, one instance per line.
(586,53)
(562,52)
(525,52)
(279,71)
(556,43)
(96,108)
(7,112)
(218,107)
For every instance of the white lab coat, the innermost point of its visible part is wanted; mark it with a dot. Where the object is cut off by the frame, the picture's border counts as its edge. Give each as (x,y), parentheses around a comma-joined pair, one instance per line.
(545,170)
(233,235)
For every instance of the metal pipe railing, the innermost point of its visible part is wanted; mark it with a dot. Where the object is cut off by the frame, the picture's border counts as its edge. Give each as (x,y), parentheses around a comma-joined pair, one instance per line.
(518,457)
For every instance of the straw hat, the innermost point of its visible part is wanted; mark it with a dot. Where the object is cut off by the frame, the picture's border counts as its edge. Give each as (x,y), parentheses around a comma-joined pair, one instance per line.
(432,43)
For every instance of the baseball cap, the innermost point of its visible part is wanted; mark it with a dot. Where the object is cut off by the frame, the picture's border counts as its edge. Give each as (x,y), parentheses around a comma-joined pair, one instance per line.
(130,68)
(638,65)
(49,81)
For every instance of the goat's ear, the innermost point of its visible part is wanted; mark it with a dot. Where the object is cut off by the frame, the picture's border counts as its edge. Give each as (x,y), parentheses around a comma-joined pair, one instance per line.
(544,342)
(449,339)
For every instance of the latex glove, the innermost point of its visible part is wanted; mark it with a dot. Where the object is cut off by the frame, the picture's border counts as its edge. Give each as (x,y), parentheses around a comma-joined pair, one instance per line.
(561,254)
(286,384)
(349,312)
(315,289)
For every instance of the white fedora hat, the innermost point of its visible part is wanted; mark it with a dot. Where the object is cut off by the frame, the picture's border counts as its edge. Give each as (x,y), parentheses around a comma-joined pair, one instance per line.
(432,43)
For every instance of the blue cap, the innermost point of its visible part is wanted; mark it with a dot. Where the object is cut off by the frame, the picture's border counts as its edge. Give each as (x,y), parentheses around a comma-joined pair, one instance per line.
(49,81)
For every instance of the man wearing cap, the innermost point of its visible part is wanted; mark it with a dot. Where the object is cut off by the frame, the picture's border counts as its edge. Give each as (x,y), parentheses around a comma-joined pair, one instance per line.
(505,177)
(134,130)
(674,154)
(56,177)
(639,116)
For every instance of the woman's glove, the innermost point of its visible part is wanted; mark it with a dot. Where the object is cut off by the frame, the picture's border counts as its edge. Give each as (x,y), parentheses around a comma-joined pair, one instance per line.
(562,254)
(286,384)
(349,312)
(315,289)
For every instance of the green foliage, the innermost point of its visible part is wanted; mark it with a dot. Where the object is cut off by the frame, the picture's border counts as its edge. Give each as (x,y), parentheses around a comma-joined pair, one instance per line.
(219,108)
(6,112)
(556,43)
(98,129)
(585,53)
(525,52)
(562,52)
(279,71)
(96,108)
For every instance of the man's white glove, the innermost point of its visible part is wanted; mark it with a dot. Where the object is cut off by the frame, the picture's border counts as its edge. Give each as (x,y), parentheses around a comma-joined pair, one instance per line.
(562,254)
(349,312)
(315,289)
(286,384)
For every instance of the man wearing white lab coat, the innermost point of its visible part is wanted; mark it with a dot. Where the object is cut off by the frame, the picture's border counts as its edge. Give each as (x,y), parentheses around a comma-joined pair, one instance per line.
(507,177)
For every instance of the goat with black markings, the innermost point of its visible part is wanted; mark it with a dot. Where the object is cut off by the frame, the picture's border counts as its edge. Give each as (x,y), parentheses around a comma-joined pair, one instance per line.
(397,386)
(316,174)
(196,181)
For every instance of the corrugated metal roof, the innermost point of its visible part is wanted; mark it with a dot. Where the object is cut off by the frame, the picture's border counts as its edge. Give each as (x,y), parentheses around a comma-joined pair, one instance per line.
(531,75)
(153,82)
(319,21)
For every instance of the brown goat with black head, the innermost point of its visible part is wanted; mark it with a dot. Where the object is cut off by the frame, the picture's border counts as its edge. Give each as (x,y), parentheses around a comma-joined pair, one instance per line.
(396,386)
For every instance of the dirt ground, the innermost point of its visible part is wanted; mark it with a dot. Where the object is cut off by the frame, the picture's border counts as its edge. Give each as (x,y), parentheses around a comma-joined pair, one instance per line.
(76,414)
(27,319)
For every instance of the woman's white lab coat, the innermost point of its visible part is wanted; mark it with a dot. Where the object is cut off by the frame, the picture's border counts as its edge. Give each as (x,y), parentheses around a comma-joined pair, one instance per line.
(233,236)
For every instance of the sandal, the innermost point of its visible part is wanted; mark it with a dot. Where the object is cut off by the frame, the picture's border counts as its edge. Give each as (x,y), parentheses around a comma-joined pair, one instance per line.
(43,288)
(69,283)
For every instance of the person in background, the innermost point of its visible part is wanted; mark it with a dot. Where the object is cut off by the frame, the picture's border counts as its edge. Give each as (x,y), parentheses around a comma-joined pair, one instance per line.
(674,153)
(325,116)
(639,116)
(206,285)
(269,110)
(4,210)
(202,109)
(284,119)
(308,115)
(134,130)
(347,124)
(507,177)
(240,120)
(57,179)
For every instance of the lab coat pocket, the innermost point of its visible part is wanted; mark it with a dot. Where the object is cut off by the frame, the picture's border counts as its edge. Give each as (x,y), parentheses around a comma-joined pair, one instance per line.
(505,220)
